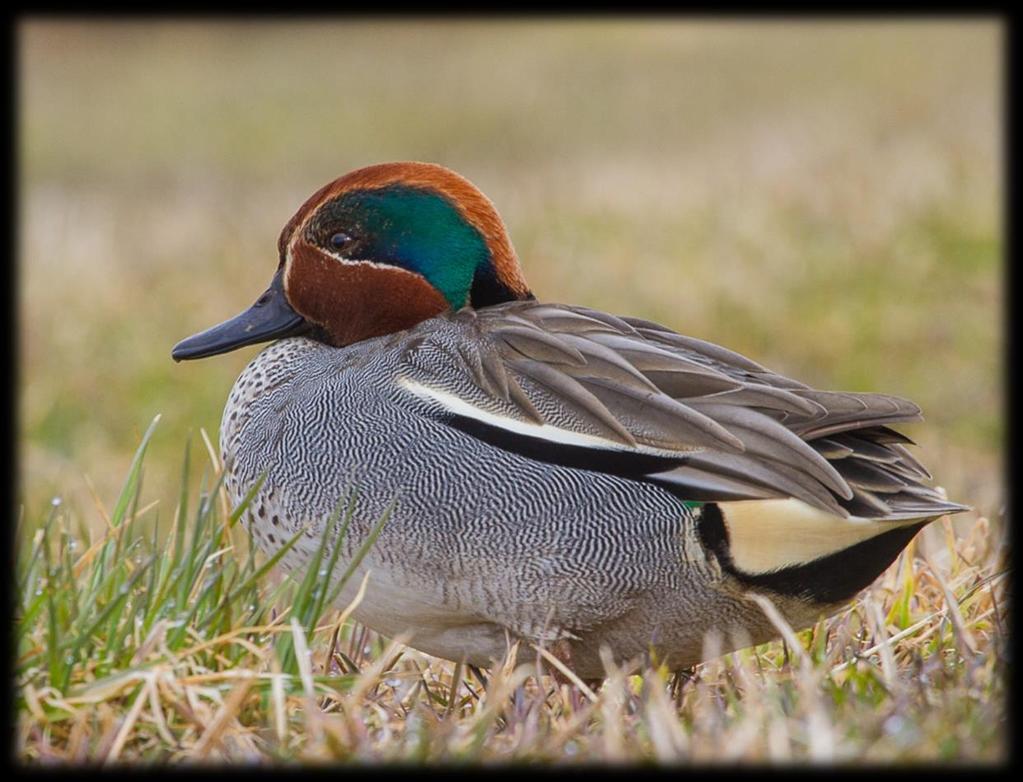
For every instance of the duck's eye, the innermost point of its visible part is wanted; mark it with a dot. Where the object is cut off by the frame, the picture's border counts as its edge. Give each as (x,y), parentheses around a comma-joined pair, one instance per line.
(340,239)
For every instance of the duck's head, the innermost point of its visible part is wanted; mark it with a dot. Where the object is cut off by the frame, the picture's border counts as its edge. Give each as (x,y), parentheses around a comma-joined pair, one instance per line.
(374,252)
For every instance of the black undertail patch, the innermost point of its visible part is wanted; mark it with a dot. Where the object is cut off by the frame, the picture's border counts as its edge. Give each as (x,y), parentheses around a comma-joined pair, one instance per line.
(833,578)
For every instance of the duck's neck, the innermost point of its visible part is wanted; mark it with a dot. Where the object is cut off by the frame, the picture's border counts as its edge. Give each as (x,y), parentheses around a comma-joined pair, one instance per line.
(489,289)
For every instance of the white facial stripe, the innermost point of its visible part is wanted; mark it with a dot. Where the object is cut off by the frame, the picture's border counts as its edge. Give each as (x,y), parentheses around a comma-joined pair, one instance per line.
(552,434)
(287,267)
(768,535)
(299,232)
(372,264)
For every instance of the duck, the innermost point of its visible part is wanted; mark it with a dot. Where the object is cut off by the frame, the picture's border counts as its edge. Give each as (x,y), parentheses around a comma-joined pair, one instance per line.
(552,476)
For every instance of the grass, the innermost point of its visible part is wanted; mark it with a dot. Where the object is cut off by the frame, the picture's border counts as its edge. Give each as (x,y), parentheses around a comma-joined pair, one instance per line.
(823,197)
(133,649)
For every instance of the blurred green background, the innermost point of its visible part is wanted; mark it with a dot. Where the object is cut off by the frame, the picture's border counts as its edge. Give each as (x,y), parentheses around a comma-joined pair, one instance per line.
(823,197)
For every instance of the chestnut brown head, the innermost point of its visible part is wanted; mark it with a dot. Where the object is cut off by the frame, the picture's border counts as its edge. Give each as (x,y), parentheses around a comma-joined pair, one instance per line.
(374,252)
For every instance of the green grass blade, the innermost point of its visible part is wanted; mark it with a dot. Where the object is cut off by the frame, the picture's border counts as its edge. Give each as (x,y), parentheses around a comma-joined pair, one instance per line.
(367,544)
(250,495)
(258,574)
(129,490)
(332,565)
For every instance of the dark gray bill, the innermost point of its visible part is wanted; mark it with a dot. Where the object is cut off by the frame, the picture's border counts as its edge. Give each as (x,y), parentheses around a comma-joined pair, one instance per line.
(271,317)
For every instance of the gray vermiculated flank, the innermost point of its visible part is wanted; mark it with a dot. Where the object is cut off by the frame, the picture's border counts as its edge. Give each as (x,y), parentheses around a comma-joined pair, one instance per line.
(485,545)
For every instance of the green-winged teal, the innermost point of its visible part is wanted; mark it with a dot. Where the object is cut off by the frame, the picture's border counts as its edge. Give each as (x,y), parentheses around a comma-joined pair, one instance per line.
(561,475)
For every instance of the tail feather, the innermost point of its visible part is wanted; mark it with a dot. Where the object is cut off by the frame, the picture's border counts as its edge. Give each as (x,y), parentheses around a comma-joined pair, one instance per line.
(884,476)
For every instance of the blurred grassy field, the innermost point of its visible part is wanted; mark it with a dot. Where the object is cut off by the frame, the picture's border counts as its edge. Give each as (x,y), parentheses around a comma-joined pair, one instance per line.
(823,197)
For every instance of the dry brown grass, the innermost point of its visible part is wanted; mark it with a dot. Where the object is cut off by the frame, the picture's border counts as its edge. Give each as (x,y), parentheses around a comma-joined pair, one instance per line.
(914,670)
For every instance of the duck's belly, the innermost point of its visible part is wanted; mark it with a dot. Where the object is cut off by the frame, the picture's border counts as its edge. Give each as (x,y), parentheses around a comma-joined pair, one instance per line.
(480,546)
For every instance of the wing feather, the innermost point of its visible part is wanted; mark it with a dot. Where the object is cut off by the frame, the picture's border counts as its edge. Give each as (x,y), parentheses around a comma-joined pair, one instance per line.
(642,397)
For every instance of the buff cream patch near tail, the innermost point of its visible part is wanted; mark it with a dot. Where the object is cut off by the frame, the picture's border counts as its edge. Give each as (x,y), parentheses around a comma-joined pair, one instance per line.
(770,535)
